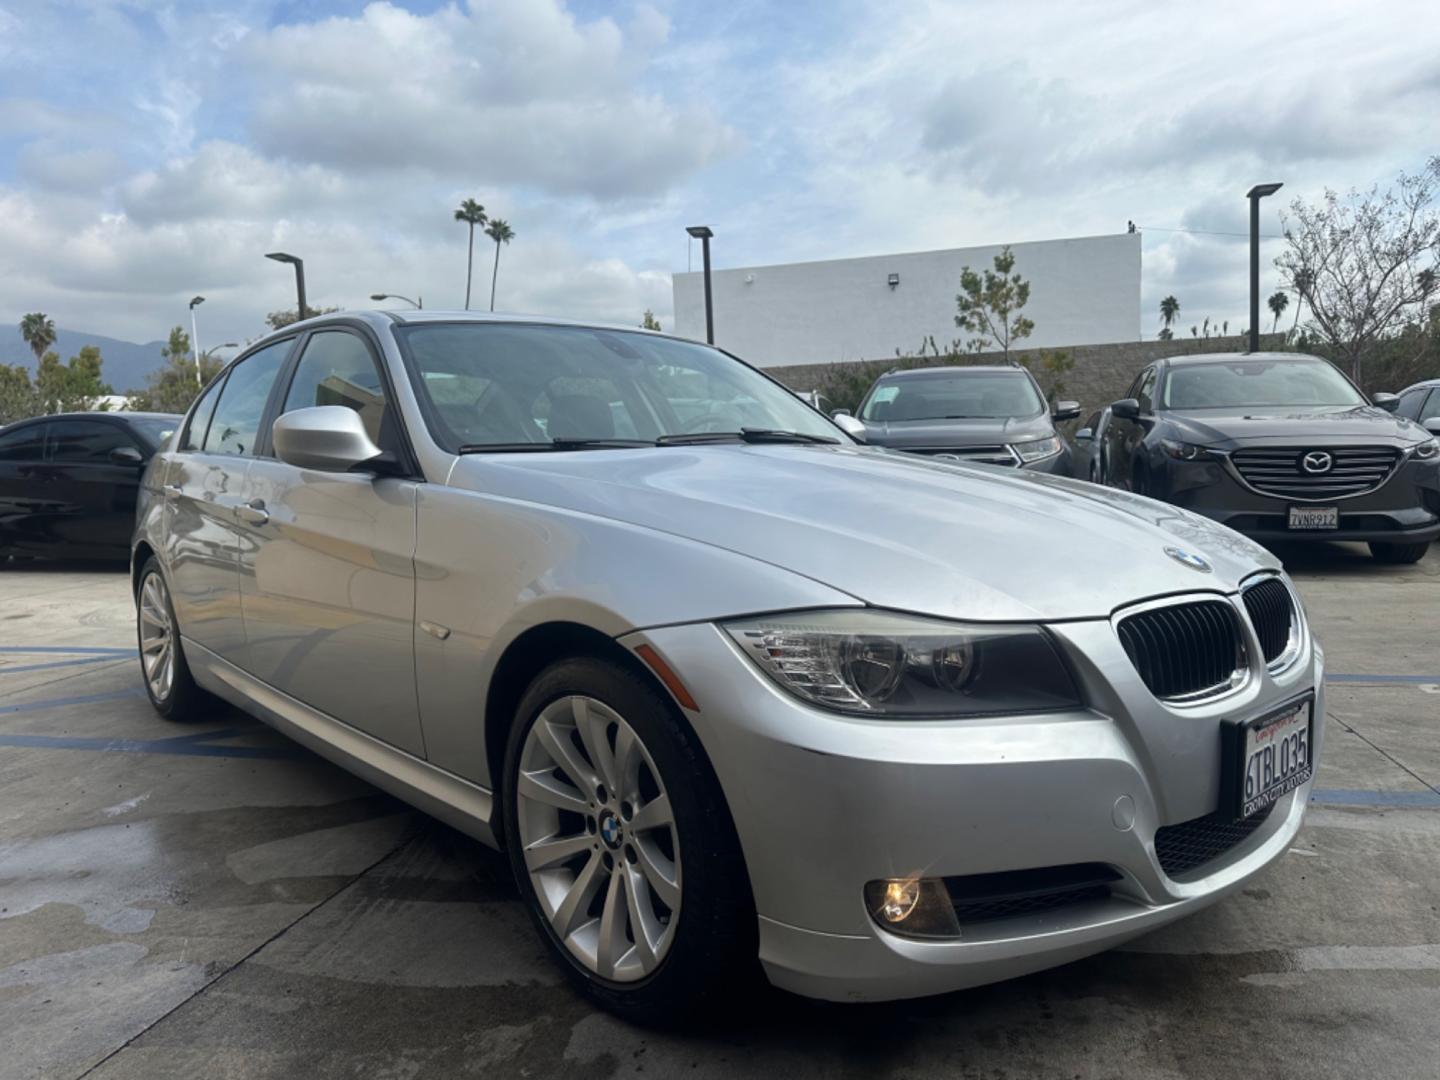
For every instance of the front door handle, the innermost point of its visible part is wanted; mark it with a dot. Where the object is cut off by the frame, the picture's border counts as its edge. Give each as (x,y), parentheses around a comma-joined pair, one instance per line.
(254,512)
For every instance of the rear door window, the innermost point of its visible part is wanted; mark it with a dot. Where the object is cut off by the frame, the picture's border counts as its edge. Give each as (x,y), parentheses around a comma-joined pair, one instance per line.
(24,444)
(235,425)
(86,442)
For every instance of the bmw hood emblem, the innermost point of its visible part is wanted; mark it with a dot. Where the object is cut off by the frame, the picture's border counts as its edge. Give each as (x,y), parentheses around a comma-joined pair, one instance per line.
(1190,559)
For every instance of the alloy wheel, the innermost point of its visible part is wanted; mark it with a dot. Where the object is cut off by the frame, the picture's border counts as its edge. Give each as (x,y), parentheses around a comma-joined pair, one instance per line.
(157,637)
(598,837)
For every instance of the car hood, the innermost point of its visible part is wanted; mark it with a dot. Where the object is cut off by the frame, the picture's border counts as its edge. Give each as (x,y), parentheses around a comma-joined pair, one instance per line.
(978,432)
(892,529)
(1227,428)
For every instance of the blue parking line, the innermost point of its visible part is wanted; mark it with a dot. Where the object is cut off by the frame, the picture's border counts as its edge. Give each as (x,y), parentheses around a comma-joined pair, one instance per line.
(62,663)
(1425,799)
(83,699)
(185,745)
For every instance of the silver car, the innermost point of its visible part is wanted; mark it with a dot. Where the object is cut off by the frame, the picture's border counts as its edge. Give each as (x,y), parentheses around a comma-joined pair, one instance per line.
(734,692)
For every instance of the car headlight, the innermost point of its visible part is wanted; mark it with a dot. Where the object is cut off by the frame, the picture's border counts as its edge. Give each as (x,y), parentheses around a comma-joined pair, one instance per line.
(1038,450)
(878,663)
(1427,450)
(1183,451)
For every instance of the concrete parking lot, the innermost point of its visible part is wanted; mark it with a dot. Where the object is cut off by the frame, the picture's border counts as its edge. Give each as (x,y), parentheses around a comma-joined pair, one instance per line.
(213,900)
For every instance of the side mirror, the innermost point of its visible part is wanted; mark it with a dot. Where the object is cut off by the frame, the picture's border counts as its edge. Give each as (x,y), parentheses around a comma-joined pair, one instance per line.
(1066,410)
(852,427)
(837,413)
(126,455)
(1126,409)
(1432,425)
(330,438)
(1085,434)
(1385,401)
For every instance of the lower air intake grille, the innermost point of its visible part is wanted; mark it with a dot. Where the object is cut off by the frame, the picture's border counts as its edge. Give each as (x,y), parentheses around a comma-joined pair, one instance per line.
(1183,650)
(981,897)
(1191,844)
(1272,614)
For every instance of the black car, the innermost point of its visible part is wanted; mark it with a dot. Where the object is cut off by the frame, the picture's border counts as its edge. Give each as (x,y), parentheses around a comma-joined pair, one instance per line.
(984,414)
(1421,403)
(1086,455)
(68,482)
(1278,446)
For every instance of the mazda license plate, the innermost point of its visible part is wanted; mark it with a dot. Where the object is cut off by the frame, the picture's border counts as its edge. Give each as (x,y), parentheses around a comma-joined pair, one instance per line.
(1314,517)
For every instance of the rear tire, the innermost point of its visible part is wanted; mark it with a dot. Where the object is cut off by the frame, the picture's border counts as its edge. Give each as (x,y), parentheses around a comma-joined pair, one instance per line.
(681,883)
(1398,554)
(171,688)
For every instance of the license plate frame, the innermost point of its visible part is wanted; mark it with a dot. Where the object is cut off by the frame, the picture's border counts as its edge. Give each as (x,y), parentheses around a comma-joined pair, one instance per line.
(1312,518)
(1236,755)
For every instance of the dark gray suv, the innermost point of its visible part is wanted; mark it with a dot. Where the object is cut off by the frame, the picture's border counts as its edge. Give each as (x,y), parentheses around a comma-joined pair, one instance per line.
(987,415)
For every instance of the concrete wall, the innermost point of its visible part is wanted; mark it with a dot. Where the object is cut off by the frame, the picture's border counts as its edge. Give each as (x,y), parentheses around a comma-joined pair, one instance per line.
(1102,373)
(1083,291)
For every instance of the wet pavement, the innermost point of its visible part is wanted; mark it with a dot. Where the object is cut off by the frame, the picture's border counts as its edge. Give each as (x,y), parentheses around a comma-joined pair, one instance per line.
(214,900)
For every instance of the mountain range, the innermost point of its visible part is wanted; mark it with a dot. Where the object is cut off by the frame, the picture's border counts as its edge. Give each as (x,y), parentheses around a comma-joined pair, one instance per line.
(125,364)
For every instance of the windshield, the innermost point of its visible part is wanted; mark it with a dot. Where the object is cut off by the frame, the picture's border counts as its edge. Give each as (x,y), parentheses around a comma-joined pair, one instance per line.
(1256,383)
(508,385)
(987,395)
(156,431)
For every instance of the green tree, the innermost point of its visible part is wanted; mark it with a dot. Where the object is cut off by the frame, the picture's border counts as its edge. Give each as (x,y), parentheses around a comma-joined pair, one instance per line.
(990,305)
(71,386)
(1169,312)
(38,332)
(1277,303)
(472,213)
(648,321)
(501,233)
(172,387)
(18,399)
(278,320)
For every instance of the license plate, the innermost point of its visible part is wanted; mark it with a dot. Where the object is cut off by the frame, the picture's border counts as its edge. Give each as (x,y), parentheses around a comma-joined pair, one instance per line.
(1276,757)
(1314,517)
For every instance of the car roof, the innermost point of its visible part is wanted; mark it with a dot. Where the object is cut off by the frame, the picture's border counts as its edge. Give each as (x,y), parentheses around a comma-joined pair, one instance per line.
(952,369)
(1421,385)
(101,414)
(1234,357)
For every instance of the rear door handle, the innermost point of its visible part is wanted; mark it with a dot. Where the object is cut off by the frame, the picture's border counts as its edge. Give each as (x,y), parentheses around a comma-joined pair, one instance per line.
(254,512)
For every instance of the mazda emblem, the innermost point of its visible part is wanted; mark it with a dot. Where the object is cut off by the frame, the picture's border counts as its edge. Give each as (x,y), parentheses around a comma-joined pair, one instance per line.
(1317,462)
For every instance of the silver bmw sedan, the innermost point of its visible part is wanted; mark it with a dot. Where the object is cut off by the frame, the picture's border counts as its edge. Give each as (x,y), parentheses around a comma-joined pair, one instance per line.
(734,692)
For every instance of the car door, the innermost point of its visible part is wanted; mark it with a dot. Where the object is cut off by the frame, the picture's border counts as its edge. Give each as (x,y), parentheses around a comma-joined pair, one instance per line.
(94,469)
(327,575)
(1124,436)
(24,487)
(203,481)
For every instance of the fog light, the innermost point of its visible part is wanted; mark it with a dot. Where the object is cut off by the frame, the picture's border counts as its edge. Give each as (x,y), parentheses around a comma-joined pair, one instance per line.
(899,899)
(915,907)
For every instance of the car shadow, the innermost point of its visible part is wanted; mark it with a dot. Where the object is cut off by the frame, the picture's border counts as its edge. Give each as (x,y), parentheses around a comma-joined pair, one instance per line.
(1336,557)
(21,564)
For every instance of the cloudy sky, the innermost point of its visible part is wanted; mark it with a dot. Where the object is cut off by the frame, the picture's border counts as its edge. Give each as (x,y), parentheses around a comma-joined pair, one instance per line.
(150,151)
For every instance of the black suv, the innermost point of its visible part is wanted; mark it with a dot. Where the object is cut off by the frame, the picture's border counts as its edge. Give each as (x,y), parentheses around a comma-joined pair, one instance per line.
(985,414)
(1278,446)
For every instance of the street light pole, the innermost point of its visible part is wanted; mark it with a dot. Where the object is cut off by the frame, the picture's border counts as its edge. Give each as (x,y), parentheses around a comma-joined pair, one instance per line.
(195,336)
(396,296)
(1255,194)
(299,264)
(704,233)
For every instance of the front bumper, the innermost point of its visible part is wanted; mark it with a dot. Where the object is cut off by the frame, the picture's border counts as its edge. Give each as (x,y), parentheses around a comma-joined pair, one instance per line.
(1404,509)
(824,803)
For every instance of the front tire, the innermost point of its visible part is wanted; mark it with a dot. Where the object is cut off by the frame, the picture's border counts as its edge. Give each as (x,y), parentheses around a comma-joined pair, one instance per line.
(168,683)
(622,845)
(1398,554)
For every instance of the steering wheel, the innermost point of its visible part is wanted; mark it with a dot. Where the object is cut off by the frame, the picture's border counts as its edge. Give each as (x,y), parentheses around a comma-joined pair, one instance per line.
(711,421)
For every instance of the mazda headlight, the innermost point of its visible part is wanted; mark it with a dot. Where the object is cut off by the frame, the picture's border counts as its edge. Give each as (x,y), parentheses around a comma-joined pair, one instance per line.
(883,664)
(1427,450)
(1183,451)
(1038,449)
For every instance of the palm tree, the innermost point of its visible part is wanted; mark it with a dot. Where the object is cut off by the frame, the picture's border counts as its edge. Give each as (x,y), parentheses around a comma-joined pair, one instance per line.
(1169,311)
(1304,280)
(38,332)
(501,233)
(1278,303)
(472,213)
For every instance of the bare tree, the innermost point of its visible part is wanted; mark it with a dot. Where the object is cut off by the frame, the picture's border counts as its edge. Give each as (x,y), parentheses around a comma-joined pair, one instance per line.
(1365,262)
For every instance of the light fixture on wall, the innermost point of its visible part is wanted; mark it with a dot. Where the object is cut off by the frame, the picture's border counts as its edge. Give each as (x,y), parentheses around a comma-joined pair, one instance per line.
(894,282)
(749,279)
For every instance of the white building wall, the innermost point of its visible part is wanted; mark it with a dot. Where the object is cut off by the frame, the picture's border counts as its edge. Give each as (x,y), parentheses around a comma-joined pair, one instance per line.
(1082,292)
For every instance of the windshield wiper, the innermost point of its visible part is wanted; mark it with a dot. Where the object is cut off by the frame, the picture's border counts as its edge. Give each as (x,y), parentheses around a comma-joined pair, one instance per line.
(553,444)
(745,434)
